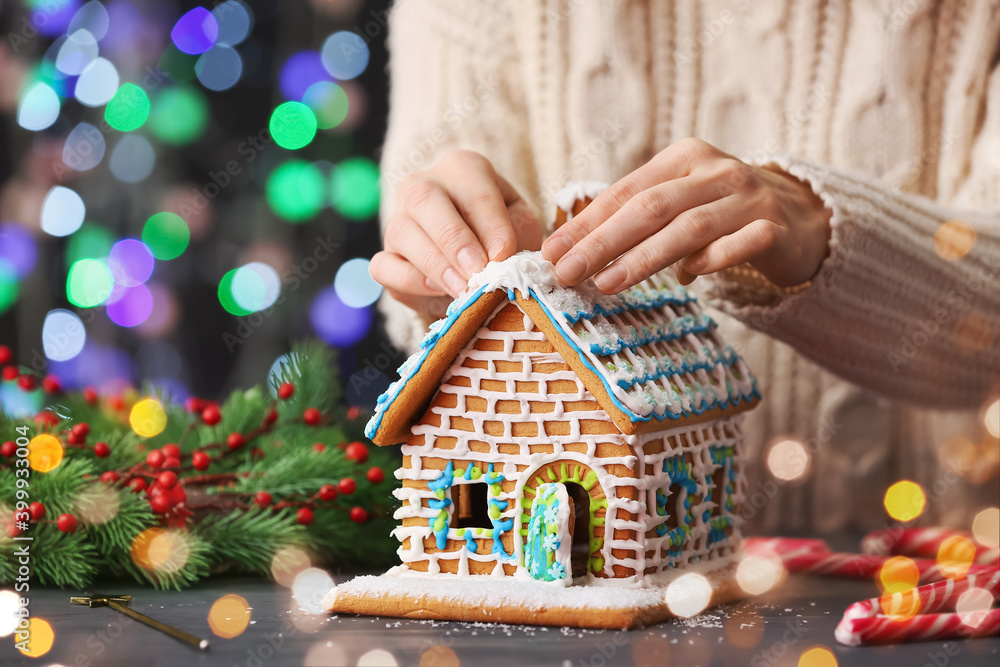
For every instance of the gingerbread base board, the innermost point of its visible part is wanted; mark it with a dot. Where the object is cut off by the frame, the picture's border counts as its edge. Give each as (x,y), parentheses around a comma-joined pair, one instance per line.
(514,601)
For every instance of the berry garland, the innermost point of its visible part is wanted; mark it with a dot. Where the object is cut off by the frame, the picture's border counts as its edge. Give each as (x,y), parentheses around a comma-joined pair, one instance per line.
(235,483)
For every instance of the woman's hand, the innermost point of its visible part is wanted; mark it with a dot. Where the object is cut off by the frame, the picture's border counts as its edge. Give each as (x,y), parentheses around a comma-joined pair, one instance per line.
(698,207)
(449,221)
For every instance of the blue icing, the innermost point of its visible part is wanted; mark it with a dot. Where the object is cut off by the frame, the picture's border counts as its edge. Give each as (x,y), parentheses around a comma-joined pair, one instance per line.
(446,479)
(438,504)
(470,541)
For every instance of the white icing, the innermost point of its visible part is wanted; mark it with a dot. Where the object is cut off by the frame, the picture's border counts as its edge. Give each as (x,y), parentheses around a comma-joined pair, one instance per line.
(577,191)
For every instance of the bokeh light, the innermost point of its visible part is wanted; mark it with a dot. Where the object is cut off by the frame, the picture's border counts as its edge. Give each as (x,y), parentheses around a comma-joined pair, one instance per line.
(93,18)
(38,108)
(788,460)
(132,159)
(905,500)
(160,550)
(148,418)
(354,284)
(229,616)
(299,72)
(76,53)
(758,574)
(179,115)
(96,504)
(84,147)
(91,242)
(166,235)
(97,84)
(255,286)
(817,656)
(89,283)
(293,125)
(329,102)
(355,192)
(954,239)
(10,602)
(219,68)
(973,605)
(166,312)
(377,657)
(128,109)
(131,262)
(309,588)
(955,556)
(18,249)
(440,656)
(54,17)
(991,418)
(688,595)
(287,563)
(131,307)
(898,574)
(226,298)
(295,190)
(986,527)
(8,286)
(62,211)
(63,335)
(336,322)
(235,21)
(196,31)
(45,453)
(345,55)
(41,636)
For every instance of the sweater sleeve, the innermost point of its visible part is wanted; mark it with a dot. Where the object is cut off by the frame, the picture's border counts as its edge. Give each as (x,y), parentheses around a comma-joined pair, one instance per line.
(453,84)
(908,301)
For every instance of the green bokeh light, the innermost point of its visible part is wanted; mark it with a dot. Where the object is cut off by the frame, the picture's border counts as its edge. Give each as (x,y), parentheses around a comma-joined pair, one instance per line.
(226,297)
(89,283)
(355,189)
(166,234)
(295,190)
(128,109)
(179,115)
(329,102)
(89,242)
(293,125)
(8,286)
(176,64)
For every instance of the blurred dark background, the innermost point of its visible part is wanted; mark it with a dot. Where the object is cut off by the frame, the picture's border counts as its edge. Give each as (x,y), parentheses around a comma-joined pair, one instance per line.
(185,189)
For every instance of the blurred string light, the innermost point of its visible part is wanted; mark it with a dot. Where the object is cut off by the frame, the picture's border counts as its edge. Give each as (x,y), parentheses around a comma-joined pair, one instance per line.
(287,563)
(89,283)
(45,453)
(18,249)
(817,656)
(294,190)
(179,115)
(300,71)
(954,239)
(293,125)
(991,418)
(91,242)
(132,159)
(63,335)
(955,556)
(377,657)
(688,595)
(130,306)
(165,315)
(52,17)
(759,574)
(336,322)
(438,656)
(62,211)
(229,616)
(97,84)
(328,101)
(17,403)
(8,286)
(344,55)
(905,500)
(354,284)
(354,188)
(309,588)
(235,21)
(160,550)
(195,32)
(128,109)
(93,18)
(148,418)
(788,460)
(10,603)
(219,68)
(78,51)
(166,235)
(106,367)
(973,605)
(131,262)
(84,147)
(986,527)
(41,636)
(38,108)
(249,289)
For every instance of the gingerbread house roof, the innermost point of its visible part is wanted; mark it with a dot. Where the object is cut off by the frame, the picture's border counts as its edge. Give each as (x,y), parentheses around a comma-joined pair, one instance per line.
(649,355)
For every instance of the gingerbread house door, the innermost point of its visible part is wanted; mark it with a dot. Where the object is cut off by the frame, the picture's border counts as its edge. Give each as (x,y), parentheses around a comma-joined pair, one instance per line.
(549,543)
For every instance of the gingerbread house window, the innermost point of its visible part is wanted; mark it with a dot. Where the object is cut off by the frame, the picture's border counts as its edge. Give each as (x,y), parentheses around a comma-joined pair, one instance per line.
(471,506)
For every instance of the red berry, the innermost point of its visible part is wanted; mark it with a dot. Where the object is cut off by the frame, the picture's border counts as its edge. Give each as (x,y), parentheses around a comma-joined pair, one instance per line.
(235,441)
(138,485)
(81,430)
(101,450)
(201,460)
(170,449)
(9,373)
(171,462)
(51,385)
(8,448)
(72,439)
(109,477)
(328,492)
(194,405)
(5,355)
(211,415)
(359,515)
(26,382)
(37,511)
(167,480)
(155,458)
(353,412)
(357,452)
(159,503)
(90,395)
(286,390)
(375,475)
(47,418)
(304,515)
(347,486)
(271,416)
(311,416)
(67,523)
(262,498)
(319,447)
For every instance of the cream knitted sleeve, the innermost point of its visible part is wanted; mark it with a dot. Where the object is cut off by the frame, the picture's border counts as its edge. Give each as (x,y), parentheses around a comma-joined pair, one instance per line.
(892,307)
(453,84)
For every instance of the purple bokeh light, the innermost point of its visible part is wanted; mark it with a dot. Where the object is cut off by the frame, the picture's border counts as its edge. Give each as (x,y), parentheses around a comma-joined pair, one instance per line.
(131,262)
(132,307)
(300,71)
(336,322)
(18,248)
(107,368)
(196,31)
(52,18)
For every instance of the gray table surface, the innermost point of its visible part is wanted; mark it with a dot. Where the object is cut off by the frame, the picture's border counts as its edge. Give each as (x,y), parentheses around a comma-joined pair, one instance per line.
(773,630)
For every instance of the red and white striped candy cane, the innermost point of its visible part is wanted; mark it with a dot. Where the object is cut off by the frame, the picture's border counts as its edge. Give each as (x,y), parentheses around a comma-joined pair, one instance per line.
(931,598)
(836,564)
(922,542)
(922,627)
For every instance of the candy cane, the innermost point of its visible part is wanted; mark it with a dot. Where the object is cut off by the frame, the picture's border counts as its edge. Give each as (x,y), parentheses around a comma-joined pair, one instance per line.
(922,542)
(931,598)
(922,627)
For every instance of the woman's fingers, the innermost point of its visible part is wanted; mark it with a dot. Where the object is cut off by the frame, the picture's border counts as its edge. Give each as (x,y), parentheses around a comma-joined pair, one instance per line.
(430,206)
(407,238)
(641,217)
(394,272)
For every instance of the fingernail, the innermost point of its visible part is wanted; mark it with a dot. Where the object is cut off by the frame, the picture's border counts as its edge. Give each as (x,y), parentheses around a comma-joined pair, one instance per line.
(556,247)
(470,260)
(454,281)
(693,266)
(571,268)
(611,278)
(496,247)
(430,284)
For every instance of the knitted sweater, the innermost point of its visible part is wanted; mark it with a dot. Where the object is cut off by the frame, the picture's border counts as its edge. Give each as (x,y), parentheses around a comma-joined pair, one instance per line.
(889,111)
